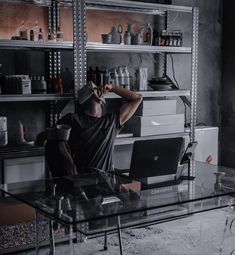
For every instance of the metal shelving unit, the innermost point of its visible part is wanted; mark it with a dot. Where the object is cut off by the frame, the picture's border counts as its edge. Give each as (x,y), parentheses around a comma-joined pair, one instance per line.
(54,101)
(81,47)
(79,10)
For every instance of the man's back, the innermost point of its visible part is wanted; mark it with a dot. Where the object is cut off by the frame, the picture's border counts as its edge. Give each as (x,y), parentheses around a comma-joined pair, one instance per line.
(91,139)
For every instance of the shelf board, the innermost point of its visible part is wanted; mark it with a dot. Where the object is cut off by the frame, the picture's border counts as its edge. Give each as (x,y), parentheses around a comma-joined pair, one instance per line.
(91,47)
(113,5)
(34,97)
(21,150)
(131,140)
(152,94)
(24,44)
(136,7)
(100,47)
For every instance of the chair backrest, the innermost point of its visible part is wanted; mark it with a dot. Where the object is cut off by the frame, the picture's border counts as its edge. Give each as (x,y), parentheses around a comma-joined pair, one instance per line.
(59,161)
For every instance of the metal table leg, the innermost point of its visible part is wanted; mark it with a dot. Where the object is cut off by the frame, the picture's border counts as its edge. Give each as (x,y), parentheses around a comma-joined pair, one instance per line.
(120,236)
(70,240)
(52,238)
(230,219)
(36,234)
(106,235)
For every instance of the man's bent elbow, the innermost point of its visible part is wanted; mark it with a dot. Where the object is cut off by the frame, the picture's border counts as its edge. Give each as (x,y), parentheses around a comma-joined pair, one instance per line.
(139,98)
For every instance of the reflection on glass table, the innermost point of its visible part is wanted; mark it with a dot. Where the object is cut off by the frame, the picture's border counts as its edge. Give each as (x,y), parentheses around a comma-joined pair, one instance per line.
(107,202)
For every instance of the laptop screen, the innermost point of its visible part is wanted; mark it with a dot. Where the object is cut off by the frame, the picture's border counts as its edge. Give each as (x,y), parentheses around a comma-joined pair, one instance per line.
(155,157)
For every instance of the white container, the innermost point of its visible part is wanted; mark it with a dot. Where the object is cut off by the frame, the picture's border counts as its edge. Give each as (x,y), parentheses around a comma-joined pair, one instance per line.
(156,107)
(63,132)
(3,131)
(142,79)
(157,125)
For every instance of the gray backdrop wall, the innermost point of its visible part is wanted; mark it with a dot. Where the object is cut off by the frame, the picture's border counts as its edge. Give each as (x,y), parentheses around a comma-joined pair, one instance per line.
(228,88)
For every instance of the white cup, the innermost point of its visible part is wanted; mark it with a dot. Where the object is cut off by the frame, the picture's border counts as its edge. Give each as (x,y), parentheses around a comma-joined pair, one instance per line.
(63,132)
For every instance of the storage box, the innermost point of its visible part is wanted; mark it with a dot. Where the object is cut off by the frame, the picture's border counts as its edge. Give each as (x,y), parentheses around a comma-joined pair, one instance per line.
(156,125)
(207,147)
(17,84)
(156,107)
(24,169)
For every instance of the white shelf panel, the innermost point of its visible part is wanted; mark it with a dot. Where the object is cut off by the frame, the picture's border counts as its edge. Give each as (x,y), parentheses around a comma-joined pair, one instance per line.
(148,8)
(149,94)
(100,47)
(92,47)
(20,44)
(131,140)
(113,5)
(34,97)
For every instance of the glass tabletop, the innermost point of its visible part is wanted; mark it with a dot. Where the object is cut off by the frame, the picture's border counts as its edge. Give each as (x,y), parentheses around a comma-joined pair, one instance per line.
(97,196)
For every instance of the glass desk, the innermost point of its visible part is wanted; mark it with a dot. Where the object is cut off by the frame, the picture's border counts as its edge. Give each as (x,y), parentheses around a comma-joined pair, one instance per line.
(97,203)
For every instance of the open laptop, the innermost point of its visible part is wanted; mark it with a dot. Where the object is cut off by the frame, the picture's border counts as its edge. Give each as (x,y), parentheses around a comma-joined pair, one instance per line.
(156,161)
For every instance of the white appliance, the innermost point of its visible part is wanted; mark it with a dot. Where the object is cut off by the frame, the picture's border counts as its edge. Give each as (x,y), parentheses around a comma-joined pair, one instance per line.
(207,147)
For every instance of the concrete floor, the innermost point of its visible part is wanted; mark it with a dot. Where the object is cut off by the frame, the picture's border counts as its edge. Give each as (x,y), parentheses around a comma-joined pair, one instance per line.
(198,234)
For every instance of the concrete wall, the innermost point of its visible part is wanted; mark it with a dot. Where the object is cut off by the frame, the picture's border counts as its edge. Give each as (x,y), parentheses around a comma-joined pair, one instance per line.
(209,58)
(228,89)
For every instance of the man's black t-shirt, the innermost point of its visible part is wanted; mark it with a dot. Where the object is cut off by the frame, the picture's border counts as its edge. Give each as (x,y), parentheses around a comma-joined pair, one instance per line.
(92,139)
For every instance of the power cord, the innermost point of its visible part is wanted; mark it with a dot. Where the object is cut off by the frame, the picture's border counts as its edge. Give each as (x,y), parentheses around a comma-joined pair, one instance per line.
(177,85)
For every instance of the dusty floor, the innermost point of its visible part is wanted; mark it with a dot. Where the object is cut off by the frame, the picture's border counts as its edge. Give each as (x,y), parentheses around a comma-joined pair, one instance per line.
(198,234)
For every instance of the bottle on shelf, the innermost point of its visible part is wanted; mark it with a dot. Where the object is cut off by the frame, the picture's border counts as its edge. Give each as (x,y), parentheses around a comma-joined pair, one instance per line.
(51,85)
(33,83)
(40,35)
(22,32)
(51,36)
(107,77)
(147,34)
(116,36)
(31,35)
(35,31)
(58,85)
(142,78)
(130,30)
(98,76)
(115,77)
(38,85)
(126,78)
(121,76)
(59,35)
(43,85)
(127,38)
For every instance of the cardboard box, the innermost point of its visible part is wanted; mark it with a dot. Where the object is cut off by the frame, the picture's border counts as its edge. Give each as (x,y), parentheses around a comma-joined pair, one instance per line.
(156,107)
(156,125)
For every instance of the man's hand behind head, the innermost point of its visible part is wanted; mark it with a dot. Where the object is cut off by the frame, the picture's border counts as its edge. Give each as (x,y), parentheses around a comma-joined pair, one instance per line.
(104,89)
